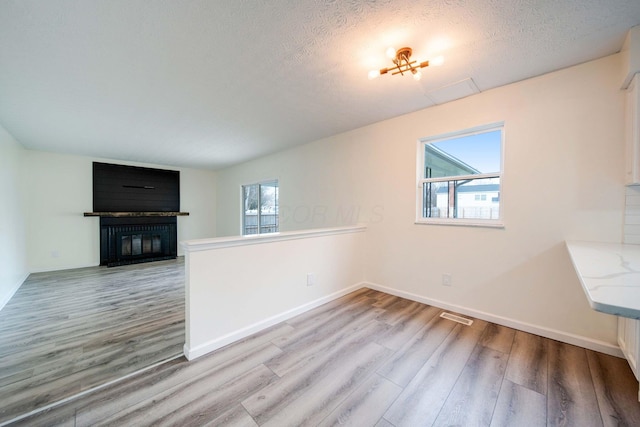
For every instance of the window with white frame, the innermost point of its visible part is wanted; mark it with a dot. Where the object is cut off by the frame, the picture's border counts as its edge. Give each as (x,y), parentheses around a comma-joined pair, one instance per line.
(260,208)
(460,177)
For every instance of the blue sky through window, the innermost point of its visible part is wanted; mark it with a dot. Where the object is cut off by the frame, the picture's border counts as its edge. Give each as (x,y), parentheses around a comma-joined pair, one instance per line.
(481,151)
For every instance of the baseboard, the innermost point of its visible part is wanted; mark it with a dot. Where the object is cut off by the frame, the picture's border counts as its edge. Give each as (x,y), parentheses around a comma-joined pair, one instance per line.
(6,298)
(581,341)
(201,350)
(64,267)
(76,266)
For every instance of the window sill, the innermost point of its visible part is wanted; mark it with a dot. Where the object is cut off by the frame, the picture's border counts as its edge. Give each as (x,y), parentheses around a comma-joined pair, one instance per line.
(462,223)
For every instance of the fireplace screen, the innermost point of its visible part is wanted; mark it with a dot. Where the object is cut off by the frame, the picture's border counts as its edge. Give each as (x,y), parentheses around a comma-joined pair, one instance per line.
(141,244)
(132,243)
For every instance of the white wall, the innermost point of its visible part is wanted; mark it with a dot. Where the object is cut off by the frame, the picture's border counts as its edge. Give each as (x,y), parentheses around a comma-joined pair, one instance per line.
(58,191)
(13,252)
(320,186)
(563,179)
(236,287)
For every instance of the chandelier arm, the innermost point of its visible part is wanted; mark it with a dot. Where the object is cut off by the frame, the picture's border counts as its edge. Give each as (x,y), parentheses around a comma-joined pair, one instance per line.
(402,68)
(402,71)
(403,63)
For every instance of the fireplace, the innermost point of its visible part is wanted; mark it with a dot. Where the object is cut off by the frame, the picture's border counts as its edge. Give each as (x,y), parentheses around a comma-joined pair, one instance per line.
(138,208)
(131,240)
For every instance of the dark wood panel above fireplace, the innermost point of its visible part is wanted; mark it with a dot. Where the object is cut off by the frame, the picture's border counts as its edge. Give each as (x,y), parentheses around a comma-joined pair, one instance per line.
(121,188)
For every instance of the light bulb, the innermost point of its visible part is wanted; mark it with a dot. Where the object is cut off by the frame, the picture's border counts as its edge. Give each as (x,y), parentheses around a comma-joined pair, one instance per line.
(373,74)
(417,75)
(391,53)
(437,61)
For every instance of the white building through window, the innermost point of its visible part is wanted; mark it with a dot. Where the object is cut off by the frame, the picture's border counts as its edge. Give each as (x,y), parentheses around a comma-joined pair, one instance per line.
(260,208)
(460,177)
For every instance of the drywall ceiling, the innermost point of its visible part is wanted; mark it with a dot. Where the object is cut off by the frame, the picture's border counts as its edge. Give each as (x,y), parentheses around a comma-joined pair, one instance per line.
(211,83)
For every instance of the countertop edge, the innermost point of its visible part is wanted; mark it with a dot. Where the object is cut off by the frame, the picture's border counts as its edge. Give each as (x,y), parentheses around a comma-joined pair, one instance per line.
(594,303)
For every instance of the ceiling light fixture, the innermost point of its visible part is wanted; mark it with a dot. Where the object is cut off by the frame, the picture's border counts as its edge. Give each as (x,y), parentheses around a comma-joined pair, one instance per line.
(404,64)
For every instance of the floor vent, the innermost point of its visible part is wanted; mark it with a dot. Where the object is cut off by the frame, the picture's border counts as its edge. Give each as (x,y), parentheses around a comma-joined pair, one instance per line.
(455,318)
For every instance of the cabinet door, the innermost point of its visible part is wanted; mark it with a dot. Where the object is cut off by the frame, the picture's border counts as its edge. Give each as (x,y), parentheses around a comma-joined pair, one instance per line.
(632,132)
(629,341)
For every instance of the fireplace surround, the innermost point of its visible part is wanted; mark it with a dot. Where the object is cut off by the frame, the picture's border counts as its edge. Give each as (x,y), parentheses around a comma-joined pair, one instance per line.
(138,209)
(129,240)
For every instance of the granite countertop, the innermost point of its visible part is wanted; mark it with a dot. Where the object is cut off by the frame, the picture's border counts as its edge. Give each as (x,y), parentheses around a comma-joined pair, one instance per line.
(610,275)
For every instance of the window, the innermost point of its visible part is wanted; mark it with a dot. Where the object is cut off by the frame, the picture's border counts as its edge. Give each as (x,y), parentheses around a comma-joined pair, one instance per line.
(460,177)
(260,208)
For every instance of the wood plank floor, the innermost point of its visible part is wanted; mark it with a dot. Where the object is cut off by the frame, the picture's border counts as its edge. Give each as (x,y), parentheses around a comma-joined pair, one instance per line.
(65,332)
(371,359)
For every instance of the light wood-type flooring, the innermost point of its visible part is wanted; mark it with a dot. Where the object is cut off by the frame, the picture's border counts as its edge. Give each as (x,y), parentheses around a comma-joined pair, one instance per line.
(66,332)
(371,359)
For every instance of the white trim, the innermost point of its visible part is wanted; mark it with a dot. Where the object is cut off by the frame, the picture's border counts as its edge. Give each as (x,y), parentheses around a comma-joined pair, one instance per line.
(475,130)
(554,334)
(624,347)
(256,239)
(460,178)
(467,222)
(260,181)
(200,350)
(242,212)
(6,298)
(581,341)
(64,267)
(420,179)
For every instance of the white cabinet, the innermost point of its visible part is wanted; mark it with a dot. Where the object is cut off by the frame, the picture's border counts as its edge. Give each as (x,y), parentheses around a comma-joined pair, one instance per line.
(629,342)
(632,131)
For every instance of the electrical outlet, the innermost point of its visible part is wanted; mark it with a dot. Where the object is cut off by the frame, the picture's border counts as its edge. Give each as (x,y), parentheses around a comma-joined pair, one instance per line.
(311,279)
(446,279)
(55,254)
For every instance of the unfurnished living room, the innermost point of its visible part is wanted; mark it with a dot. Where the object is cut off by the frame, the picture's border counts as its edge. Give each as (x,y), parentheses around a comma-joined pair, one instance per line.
(314,213)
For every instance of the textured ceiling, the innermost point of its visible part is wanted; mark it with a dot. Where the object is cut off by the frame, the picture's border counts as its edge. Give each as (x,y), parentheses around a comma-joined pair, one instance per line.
(210,83)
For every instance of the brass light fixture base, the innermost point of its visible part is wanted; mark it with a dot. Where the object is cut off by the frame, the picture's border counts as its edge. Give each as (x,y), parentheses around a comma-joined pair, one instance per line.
(402,64)
(403,54)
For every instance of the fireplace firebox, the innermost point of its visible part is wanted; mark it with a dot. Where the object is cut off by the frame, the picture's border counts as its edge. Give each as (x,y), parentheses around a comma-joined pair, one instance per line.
(137,239)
